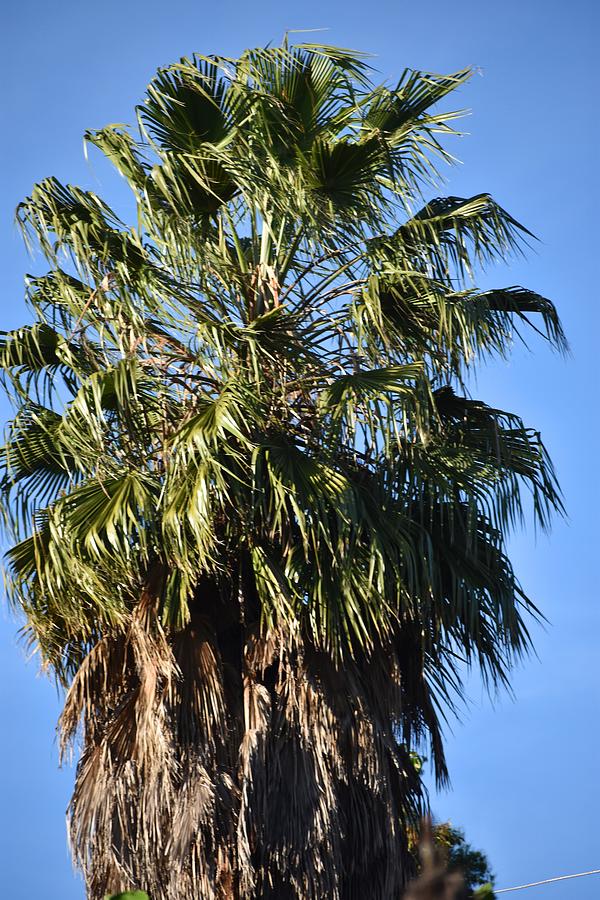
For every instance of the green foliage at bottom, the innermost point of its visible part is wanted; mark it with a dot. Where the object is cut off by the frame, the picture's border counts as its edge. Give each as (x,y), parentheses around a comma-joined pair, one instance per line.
(128,895)
(485,892)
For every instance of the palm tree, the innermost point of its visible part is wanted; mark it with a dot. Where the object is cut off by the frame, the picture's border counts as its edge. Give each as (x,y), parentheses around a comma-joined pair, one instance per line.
(258,522)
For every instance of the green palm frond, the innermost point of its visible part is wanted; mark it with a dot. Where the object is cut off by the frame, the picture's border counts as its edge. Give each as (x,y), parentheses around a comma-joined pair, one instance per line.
(103,516)
(452,329)
(451,235)
(395,111)
(182,113)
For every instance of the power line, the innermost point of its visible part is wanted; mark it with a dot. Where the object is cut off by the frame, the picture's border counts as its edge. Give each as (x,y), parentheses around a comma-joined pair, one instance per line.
(547,881)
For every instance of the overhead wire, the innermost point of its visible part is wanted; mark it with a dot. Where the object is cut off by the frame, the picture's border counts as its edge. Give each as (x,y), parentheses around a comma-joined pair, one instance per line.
(521,887)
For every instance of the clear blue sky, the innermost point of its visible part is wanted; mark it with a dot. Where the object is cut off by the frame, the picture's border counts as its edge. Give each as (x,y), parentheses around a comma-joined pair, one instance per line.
(525,771)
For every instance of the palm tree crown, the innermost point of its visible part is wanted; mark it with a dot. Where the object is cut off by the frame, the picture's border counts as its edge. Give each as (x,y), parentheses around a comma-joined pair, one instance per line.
(259,525)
